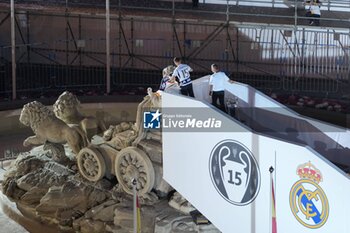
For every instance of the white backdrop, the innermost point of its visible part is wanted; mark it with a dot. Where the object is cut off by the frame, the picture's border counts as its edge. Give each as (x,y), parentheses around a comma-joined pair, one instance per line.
(186,167)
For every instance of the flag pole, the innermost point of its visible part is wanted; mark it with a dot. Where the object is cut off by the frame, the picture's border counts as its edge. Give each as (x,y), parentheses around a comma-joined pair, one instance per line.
(273,225)
(271,200)
(133,182)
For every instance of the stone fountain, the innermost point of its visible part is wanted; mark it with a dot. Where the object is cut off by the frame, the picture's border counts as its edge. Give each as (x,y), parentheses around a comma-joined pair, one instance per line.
(77,175)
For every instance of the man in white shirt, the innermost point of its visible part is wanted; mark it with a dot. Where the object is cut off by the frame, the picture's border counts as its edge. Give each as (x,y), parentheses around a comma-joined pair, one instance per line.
(182,71)
(314,11)
(218,81)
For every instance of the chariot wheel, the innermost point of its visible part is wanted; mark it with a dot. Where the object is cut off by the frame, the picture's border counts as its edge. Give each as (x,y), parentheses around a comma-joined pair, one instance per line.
(91,164)
(130,163)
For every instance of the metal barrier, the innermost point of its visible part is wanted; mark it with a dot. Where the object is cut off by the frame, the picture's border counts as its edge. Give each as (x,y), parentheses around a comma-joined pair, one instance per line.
(64,51)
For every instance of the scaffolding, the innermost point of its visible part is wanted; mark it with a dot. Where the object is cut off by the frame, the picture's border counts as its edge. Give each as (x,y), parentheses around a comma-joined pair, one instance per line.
(67,49)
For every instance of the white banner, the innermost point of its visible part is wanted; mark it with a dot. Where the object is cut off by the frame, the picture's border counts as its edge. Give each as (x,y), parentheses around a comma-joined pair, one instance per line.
(226,176)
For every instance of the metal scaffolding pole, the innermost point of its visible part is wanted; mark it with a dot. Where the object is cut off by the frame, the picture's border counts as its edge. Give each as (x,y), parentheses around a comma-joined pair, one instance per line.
(227,11)
(13,49)
(173,8)
(67,40)
(108,52)
(295,14)
(227,34)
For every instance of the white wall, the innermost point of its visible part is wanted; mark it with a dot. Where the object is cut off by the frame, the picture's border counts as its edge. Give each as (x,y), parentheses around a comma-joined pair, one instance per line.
(186,167)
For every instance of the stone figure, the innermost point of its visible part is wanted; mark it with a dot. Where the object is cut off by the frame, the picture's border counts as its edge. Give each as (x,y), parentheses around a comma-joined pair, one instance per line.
(47,189)
(57,153)
(151,101)
(121,135)
(67,108)
(155,98)
(47,127)
(168,85)
(129,152)
(113,131)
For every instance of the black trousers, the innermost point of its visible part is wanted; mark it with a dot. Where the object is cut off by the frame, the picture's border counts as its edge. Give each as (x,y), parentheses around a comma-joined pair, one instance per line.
(316,21)
(221,96)
(187,90)
(195,3)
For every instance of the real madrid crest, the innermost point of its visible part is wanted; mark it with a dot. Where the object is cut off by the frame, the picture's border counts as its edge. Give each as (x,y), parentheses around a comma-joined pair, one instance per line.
(234,172)
(307,199)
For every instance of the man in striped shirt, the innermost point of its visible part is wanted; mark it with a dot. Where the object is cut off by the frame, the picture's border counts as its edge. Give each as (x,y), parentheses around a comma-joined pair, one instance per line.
(182,72)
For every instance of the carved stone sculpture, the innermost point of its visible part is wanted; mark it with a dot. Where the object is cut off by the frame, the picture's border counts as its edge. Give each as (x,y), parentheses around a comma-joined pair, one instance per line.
(177,201)
(131,152)
(151,101)
(170,86)
(121,135)
(47,190)
(67,108)
(167,71)
(50,192)
(57,153)
(47,127)
(155,98)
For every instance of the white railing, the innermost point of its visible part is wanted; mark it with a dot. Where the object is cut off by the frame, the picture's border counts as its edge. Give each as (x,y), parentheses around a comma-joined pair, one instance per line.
(234,191)
(331,5)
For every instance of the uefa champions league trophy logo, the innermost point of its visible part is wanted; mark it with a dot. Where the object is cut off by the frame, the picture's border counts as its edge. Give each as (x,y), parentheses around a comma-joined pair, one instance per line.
(234,172)
(234,175)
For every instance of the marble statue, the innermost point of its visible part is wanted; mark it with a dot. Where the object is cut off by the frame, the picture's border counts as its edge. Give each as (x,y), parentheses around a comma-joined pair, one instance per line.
(120,136)
(47,127)
(88,189)
(67,108)
(170,85)
(135,153)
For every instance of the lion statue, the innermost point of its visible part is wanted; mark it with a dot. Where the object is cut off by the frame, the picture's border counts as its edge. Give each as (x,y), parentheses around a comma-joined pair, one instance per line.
(47,127)
(67,108)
